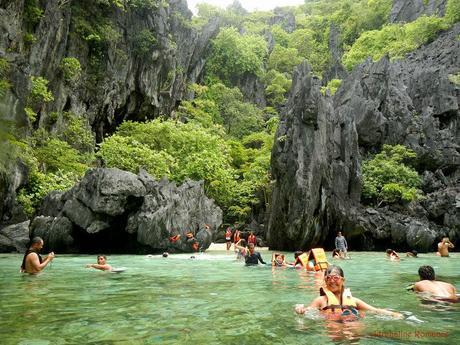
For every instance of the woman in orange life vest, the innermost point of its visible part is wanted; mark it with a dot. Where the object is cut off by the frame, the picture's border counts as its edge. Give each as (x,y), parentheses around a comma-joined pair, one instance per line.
(192,241)
(252,238)
(336,302)
(237,236)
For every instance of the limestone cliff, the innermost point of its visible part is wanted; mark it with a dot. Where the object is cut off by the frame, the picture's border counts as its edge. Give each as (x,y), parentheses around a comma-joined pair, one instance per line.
(320,144)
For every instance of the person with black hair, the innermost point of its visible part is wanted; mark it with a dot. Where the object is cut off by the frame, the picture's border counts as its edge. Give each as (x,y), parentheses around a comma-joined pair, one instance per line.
(437,289)
(32,262)
(252,257)
(101,264)
(336,302)
(412,254)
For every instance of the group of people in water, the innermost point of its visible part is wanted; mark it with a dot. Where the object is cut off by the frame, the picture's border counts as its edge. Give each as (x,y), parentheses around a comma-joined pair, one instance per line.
(335,301)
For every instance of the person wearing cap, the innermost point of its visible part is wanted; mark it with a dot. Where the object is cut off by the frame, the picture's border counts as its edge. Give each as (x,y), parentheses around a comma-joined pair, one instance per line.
(336,302)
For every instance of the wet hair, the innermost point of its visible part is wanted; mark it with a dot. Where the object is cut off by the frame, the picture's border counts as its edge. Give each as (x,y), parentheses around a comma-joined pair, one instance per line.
(35,240)
(335,269)
(102,256)
(335,252)
(389,251)
(297,254)
(165,254)
(414,252)
(426,273)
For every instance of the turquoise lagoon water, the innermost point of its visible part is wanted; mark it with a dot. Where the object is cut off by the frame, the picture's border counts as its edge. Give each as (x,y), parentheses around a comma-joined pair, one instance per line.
(214,299)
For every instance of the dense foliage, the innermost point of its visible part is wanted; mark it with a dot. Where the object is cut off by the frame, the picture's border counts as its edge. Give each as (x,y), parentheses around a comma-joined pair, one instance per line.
(388,177)
(216,135)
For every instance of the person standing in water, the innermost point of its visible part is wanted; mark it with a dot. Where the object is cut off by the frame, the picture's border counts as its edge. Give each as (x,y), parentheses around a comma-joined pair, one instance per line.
(228,238)
(101,264)
(341,244)
(437,289)
(32,262)
(336,302)
(252,238)
(253,257)
(443,247)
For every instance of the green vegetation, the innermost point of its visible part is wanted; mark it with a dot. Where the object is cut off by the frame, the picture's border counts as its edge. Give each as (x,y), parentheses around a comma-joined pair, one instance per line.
(144,42)
(5,84)
(53,165)
(40,92)
(71,68)
(387,177)
(452,15)
(333,85)
(234,55)
(395,40)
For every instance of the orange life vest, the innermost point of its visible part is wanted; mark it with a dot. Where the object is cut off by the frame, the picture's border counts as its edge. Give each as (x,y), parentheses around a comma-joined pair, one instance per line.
(316,260)
(236,237)
(345,310)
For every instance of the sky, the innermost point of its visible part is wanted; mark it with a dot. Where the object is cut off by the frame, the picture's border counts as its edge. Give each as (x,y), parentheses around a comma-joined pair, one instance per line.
(249,5)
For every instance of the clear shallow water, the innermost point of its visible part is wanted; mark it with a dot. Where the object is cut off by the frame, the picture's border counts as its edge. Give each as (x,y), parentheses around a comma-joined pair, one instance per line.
(214,299)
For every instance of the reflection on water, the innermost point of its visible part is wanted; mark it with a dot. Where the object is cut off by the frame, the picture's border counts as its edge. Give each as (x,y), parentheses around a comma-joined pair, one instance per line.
(213,299)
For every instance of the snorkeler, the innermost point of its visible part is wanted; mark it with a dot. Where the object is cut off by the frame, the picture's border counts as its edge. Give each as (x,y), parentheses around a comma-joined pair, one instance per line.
(437,289)
(336,302)
(101,264)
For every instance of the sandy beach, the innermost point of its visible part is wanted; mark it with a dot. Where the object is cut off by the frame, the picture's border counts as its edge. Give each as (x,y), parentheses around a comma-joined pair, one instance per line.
(223,246)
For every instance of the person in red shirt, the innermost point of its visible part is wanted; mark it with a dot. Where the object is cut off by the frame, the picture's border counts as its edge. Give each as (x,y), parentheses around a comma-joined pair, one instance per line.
(228,238)
(252,238)
(237,236)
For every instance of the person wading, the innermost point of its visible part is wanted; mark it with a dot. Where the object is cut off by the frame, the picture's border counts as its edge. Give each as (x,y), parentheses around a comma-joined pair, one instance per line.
(32,262)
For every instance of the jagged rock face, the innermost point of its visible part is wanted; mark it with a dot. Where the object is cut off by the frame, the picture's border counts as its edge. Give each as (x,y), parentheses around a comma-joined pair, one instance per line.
(336,70)
(315,167)
(316,160)
(116,211)
(133,86)
(409,10)
(14,238)
(117,82)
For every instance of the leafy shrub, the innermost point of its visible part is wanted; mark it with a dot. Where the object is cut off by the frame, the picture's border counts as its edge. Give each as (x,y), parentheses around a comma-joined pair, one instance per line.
(277,86)
(40,92)
(388,178)
(394,40)
(144,42)
(234,55)
(71,68)
(283,59)
(77,133)
(452,15)
(332,85)
(4,83)
(176,150)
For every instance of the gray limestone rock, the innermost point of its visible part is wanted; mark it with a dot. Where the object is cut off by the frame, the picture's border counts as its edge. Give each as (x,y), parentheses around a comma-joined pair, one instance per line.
(15,238)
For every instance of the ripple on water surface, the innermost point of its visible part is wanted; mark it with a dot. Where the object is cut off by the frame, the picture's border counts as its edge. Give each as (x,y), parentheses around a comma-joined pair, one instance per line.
(214,299)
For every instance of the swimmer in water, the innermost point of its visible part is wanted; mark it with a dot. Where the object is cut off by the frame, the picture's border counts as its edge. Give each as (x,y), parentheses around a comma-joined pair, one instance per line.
(392,255)
(101,264)
(437,289)
(336,302)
